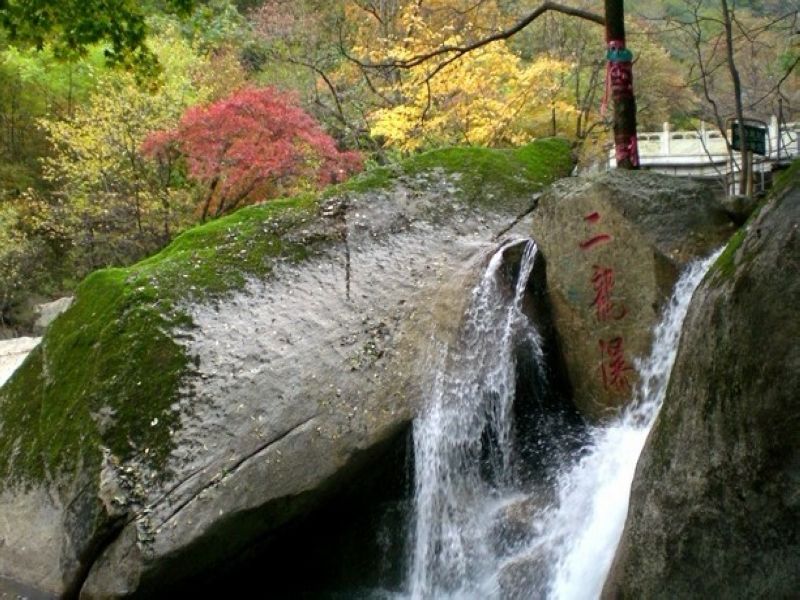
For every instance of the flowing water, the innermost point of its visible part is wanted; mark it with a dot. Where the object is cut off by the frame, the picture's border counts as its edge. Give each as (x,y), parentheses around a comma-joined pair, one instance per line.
(584,527)
(482,528)
(463,446)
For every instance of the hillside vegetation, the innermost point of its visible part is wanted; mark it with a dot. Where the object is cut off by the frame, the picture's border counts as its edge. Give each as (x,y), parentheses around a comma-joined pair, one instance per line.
(123,126)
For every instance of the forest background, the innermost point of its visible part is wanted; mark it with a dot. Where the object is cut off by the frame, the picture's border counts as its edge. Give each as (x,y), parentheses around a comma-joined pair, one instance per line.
(122,123)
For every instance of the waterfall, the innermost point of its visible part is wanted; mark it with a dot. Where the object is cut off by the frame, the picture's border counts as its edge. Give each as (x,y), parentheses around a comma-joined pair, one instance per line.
(560,534)
(584,527)
(463,441)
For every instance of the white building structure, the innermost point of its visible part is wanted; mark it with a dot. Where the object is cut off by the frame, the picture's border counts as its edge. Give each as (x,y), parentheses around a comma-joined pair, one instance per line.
(703,153)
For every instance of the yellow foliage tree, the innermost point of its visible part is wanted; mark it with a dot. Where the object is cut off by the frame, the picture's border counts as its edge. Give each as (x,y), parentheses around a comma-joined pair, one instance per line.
(488,97)
(120,205)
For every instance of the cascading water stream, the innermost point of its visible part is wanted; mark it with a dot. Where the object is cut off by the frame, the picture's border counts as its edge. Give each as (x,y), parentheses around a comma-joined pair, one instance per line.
(463,443)
(466,481)
(584,527)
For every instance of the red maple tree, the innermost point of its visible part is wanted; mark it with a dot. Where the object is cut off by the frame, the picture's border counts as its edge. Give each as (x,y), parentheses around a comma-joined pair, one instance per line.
(255,144)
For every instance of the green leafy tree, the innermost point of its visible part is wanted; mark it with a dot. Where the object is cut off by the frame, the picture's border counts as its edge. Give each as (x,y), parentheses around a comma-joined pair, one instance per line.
(35,84)
(121,207)
(73,25)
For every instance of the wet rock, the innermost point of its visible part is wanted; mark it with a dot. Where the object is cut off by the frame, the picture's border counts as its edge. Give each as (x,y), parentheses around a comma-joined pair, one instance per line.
(515,522)
(715,503)
(614,244)
(48,313)
(204,400)
(739,207)
(525,578)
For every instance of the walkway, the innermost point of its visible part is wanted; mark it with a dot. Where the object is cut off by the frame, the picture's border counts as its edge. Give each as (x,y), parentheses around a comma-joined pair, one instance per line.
(704,154)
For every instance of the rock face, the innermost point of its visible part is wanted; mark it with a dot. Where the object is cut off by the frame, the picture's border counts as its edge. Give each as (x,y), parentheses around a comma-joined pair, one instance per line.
(12,352)
(48,313)
(193,404)
(614,244)
(715,503)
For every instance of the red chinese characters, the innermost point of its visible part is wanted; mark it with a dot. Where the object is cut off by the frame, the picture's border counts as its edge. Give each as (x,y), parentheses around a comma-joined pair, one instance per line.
(614,368)
(613,365)
(594,241)
(606,309)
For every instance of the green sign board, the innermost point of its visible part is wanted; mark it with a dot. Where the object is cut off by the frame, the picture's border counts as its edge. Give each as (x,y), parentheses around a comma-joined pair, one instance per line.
(755,137)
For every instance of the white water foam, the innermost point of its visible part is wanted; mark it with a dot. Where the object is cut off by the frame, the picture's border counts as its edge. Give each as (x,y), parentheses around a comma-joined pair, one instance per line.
(468,425)
(568,543)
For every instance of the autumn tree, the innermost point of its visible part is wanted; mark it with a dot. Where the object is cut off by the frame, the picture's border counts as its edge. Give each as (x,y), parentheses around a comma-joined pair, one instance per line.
(296,45)
(81,86)
(253,145)
(449,46)
(659,85)
(490,97)
(71,26)
(120,207)
(741,65)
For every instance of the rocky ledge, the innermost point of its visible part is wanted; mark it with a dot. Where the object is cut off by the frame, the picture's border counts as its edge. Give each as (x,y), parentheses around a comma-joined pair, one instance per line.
(715,503)
(186,407)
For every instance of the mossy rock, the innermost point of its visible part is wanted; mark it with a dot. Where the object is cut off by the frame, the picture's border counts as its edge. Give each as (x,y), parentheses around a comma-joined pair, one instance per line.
(725,266)
(714,508)
(195,401)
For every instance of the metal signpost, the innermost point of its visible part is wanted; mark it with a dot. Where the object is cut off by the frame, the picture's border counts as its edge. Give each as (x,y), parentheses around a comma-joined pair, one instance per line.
(756,141)
(755,136)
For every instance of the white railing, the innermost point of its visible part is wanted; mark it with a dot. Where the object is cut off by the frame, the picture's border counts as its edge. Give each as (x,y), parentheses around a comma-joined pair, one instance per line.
(703,152)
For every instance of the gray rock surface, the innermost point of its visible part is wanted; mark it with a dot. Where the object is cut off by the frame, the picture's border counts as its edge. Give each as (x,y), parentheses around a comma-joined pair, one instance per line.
(715,503)
(12,352)
(48,312)
(614,244)
(300,387)
(296,382)
(739,207)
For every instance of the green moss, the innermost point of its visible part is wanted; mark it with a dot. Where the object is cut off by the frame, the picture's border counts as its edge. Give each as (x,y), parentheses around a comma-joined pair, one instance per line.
(725,265)
(788,179)
(220,255)
(374,179)
(109,373)
(513,172)
(105,371)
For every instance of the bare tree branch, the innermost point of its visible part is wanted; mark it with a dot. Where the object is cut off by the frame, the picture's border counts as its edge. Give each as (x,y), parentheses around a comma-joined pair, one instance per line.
(458,51)
(776,88)
(371,9)
(315,68)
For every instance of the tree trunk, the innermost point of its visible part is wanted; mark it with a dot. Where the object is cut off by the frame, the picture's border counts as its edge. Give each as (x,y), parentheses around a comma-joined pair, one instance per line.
(620,80)
(212,188)
(745,178)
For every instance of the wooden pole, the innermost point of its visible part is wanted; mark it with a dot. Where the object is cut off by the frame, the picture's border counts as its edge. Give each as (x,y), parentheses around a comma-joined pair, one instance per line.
(744,154)
(620,81)
(780,130)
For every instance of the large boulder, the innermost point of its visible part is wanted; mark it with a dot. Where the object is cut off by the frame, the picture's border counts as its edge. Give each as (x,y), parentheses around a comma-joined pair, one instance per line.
(614,244)
(193,404)
(715,503)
